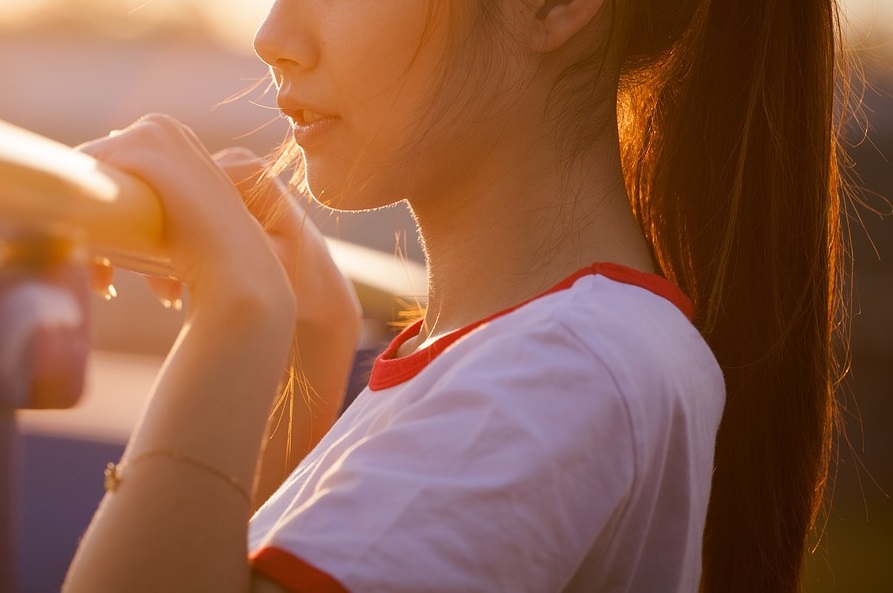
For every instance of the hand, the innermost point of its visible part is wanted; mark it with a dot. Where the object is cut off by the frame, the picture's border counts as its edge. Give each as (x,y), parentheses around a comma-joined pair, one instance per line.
(232,228)
(217,249)
(322,292)
(328,319)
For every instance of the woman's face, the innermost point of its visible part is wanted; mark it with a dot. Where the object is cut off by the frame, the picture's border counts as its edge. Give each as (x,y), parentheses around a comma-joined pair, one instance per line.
(372,70)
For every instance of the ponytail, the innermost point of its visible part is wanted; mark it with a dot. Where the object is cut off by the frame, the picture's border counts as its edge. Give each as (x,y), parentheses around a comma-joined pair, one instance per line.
(730,150)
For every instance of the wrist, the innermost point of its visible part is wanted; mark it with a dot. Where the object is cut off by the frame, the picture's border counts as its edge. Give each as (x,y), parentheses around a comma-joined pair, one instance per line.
(243,312)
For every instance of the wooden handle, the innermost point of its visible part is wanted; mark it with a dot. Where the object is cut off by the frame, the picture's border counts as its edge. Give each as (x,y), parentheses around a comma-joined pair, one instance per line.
(47,185)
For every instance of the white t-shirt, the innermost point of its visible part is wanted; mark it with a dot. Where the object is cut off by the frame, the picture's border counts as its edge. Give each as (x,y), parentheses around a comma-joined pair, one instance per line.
(565,445)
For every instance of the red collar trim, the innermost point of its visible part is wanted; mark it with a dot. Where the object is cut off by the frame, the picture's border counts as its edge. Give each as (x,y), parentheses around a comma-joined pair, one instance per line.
(388,371)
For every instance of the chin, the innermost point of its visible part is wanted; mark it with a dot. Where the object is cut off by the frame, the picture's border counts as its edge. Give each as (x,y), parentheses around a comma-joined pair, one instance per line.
(353,195)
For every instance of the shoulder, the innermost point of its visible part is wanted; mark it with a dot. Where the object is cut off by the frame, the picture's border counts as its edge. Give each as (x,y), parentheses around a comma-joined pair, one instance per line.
(498,465)
(605,328)
(600,354)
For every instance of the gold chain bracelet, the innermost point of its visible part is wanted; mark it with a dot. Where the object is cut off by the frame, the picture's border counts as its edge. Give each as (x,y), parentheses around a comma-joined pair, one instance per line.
(114,477)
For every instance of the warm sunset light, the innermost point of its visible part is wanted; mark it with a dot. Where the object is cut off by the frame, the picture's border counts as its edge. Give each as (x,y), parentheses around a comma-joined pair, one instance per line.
(235,21)
(543,297)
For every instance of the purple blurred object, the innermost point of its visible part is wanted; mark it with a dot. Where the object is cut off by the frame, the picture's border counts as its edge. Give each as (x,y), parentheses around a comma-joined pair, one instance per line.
(43,324)
(43,351)
(42,343)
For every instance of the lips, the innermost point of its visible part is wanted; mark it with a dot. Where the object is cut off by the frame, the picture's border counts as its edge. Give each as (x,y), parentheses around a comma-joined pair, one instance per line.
(309,125)
(305,116)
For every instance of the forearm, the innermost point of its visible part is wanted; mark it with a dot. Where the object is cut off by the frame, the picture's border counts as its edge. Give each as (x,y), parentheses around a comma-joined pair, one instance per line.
(310,403)
(177,520)
(327,332)
(173,525)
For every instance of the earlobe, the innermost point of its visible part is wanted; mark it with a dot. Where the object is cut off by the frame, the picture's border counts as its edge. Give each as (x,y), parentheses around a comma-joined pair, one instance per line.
(559,20)
(547,6)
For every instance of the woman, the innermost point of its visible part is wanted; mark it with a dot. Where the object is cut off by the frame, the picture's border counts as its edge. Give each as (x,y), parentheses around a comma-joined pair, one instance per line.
(576,168)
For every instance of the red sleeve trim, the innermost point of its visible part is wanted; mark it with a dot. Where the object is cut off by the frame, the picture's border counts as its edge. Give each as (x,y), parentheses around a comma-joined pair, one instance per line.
(291,572)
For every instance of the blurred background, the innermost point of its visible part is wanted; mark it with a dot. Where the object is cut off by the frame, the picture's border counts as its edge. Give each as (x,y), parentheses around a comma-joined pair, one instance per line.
(73,71)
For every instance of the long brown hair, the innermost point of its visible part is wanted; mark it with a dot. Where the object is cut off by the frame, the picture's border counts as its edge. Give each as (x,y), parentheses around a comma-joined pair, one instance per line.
(731,153)
(730,141)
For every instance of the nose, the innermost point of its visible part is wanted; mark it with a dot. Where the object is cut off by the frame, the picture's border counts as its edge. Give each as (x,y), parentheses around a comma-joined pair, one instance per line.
(285,39)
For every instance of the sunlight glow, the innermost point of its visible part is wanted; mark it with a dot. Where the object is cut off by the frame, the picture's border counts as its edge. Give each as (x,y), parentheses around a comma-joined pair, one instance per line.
(234,21)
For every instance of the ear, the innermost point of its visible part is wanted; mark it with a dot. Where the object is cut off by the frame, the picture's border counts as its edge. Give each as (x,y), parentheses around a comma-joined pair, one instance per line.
(556,21)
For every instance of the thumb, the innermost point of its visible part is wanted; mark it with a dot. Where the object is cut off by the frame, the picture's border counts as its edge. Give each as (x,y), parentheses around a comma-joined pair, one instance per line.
(262,192)
(242,165)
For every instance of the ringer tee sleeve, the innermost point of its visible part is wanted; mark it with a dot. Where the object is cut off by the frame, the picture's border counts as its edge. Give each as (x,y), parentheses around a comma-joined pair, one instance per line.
(501,476)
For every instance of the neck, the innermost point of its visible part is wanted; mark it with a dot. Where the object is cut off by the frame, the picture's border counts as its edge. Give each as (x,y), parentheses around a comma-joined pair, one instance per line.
(517,224)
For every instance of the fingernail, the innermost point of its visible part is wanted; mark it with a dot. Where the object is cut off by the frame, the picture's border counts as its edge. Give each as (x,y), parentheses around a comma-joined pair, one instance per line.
(176,304)
(238,155)
(108,293)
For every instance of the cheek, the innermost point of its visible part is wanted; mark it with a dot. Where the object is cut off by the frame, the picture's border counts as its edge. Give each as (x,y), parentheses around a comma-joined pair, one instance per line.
(382,83)
(402,132)
(372,50)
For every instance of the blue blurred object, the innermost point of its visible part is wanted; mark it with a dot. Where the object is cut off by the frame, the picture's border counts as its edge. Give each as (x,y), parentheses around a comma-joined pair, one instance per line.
(61,488)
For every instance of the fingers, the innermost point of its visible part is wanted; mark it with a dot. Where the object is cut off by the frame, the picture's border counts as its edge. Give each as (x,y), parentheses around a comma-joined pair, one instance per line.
(101,276)
(265,197)
(206,219)
(240,164)
(215,246)
(169,291)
